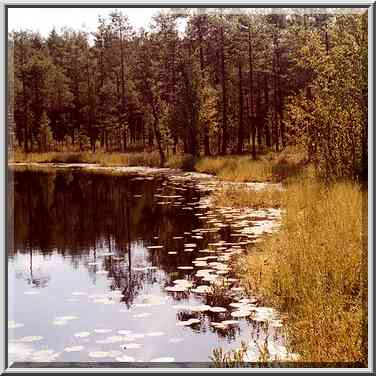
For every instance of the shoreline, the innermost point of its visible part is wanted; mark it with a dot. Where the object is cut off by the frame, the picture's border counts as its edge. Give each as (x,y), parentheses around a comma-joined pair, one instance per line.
(271,270)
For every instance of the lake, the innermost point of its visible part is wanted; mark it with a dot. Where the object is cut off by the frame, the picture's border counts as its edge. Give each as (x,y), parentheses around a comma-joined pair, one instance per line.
(126,268)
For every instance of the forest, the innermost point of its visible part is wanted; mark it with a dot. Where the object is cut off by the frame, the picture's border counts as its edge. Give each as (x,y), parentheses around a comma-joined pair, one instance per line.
(247,83)
(246,97)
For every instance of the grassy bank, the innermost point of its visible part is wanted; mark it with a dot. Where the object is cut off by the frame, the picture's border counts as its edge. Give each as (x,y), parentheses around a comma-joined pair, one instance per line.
(105,159)
(314,269)
(270,167)
(147,159)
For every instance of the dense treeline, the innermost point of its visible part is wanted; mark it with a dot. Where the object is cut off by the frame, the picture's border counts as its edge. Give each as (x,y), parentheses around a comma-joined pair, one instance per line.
(228,84)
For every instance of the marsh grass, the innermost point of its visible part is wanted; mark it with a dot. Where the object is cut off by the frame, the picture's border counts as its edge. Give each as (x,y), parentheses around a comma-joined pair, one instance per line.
(230,359)
(150,159)
(314,269)
(185,162)
(236,168)
(274,167)
(247,197)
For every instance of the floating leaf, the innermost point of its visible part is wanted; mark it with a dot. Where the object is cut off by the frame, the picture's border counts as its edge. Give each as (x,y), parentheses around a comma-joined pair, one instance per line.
(155,334)
(13,325)
(30,339)
(202,289)
(82,334)
(218,309)
(142,315)
(66,318)
(163,360)
(230,322)
(98,354)
(176,288)
(241,313)
(188,322)
(74,348)
(125,358)
(124,332)
(131,346)
(112,339)
(102,330)
(79,293)
(176,340)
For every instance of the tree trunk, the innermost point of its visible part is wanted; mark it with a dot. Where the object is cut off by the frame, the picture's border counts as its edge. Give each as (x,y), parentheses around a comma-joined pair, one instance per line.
(124,140)
(241,124)
(224,94)
(206,127)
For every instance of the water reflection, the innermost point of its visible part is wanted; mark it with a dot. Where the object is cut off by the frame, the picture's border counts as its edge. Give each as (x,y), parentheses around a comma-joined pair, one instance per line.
(104,248)
(85,216)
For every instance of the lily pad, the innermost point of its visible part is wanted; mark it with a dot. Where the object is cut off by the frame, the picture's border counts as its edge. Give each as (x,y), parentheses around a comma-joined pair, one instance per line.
(100,331)
(155,334)
(131,346)
(218,309)
(13,325)
(30,339)
(82,334)
(188,322)
(241,313)
(99,354)
(125,358)
(185,267)
(176,340)
(124,332)
(202,289)
(74,348)
(142,315)
(163,360)
(112,339)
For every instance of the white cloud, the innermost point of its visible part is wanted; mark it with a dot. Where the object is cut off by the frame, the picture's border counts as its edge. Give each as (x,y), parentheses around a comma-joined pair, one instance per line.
(44,19)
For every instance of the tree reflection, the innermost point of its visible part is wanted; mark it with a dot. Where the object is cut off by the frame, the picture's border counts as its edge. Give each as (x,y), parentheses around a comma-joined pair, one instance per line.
(83,215)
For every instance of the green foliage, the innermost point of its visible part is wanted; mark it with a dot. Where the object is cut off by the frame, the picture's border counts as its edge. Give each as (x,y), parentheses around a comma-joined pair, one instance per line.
(229,83)
(328,117)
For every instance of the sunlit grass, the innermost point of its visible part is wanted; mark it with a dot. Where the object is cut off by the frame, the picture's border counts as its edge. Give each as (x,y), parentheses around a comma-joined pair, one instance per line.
(150,159)
(314,269)
(241,168)
(247,197)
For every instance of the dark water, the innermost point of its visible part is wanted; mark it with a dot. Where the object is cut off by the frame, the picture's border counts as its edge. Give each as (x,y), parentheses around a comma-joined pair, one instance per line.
(80,270)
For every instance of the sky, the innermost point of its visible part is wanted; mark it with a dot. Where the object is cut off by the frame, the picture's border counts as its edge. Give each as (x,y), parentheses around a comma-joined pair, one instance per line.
(85,19)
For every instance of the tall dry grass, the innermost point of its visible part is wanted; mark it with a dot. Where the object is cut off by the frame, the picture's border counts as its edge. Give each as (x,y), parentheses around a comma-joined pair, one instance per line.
(247,197)
(315,269)
(150,159)
(236,168)
(269,167)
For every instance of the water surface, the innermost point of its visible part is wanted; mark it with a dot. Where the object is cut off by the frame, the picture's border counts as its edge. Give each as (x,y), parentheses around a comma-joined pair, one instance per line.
(92,255)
